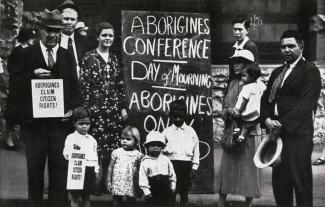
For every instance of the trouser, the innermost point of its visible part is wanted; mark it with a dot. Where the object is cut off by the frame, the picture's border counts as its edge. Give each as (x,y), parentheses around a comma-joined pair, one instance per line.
(162,195)
(294,174)
(45,140)
(183,171)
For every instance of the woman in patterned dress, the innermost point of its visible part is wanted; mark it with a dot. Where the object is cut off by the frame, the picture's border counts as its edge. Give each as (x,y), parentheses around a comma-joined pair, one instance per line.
(102,91)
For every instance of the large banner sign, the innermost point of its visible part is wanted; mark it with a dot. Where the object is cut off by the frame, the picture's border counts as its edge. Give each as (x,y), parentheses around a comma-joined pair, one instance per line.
(47,98)
(166,56)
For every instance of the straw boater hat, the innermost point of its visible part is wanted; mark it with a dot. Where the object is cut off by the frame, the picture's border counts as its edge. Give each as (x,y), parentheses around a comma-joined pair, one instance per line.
(268,153)
(51,19)
(243,54)
(155,136)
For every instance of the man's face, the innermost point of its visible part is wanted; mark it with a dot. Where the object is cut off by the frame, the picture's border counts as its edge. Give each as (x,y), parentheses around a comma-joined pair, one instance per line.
(69,21)
(239,31)
(50,37)
(290,49)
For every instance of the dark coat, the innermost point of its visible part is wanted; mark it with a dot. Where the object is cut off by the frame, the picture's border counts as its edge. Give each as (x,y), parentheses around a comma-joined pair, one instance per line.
(296,100)
(63,69)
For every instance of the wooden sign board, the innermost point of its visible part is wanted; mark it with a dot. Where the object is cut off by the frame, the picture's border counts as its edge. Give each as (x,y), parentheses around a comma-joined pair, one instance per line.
(76,171)
(47,96)
(166,56)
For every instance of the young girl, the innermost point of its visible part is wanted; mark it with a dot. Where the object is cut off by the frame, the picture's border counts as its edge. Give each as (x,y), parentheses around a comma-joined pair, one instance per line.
(81,140)
(249,100)
(122,174)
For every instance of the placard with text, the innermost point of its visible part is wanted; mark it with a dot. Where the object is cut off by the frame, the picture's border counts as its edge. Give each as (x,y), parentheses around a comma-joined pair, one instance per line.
(166,56)
(47,97)
(76,170)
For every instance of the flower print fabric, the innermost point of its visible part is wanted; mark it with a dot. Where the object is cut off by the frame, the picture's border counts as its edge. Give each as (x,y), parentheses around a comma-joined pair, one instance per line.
(102,92)
(125,172)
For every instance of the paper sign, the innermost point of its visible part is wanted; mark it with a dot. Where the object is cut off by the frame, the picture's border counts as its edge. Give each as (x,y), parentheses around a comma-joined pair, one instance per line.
(47,98)
(76,171)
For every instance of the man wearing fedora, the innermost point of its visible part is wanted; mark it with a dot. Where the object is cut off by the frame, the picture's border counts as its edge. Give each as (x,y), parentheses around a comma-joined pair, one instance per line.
(72,41)
(44,137)
(287,109)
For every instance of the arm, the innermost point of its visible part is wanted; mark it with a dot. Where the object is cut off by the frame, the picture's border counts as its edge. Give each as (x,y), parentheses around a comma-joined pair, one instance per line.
(196,152)
(143,180)
(237,111)
(172,176)
(75,87)
(85,81)
(109,174)
(120,88)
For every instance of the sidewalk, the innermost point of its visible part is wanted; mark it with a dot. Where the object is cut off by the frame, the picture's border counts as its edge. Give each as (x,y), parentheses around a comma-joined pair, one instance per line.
(13,185)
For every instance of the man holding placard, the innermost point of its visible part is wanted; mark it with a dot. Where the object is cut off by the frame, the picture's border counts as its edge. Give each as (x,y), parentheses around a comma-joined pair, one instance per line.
(49,91)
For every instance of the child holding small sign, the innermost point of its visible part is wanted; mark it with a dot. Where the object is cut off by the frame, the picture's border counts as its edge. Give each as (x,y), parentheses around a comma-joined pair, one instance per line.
(123,169)
(81,150)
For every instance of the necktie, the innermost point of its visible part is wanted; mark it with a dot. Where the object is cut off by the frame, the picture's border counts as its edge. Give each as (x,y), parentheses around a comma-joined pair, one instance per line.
(50,60)
(70,47)
(277,83)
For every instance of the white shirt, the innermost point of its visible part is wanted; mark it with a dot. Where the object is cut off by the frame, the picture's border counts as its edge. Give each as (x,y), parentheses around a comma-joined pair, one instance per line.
(253,93)
(87,144)
(45,55)
(291,67)
(182,144)
(151,166)
(240,46)
(64,44)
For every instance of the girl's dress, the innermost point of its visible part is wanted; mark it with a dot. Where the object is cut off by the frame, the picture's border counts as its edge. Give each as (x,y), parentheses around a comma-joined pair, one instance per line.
(101,88)
(238,175)
(125,172)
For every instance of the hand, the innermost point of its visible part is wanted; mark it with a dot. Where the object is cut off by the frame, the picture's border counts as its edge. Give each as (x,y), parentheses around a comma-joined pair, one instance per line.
(273,125)
(109,186)
(67,115)
(173,191)
(193,173)
(235,113)
(147,197)
(42,73)
(124,114)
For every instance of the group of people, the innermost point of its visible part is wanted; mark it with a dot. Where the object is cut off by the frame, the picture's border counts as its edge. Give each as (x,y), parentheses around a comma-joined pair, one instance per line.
(285,108)
(95,113)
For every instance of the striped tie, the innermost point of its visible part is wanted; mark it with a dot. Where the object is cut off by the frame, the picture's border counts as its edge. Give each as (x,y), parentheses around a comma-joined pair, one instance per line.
(50,60)
(277,83)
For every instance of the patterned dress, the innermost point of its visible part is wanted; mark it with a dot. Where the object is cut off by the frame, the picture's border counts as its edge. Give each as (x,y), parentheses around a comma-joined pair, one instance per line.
(125,172)
(102,92)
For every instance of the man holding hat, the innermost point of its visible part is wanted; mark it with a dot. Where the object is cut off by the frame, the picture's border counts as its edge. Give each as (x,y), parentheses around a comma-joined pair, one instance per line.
(44,137)
(70,40)
(287,109)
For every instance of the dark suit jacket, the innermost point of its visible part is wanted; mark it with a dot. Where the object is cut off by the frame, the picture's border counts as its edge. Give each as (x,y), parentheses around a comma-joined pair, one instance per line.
(63,69)
(296,100)
(82,46)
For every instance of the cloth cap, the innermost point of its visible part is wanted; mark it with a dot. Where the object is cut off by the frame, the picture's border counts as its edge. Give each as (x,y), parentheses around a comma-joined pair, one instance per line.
(245,54)
(268,153)
(81,25)
(51,19)
(155,136)
(69,4)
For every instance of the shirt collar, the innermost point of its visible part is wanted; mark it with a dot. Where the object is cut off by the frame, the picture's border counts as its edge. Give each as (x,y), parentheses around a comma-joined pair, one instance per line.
(241,45)
(54,49)
(78,134)
(292,65)
(64,36)
(181,127)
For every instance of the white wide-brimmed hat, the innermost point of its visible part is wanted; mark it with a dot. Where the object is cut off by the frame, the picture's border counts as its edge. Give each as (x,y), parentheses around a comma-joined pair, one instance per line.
(244,54)
(268,153)
(155,136)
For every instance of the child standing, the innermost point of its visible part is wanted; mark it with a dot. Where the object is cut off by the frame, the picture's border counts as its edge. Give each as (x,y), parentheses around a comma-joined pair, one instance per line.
(122,173)
(157,178)
(182,148)
(81,140)
(247,108)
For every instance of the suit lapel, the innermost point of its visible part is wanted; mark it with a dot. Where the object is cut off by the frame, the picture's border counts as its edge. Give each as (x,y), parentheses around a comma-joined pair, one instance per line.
(295,71)
(38,53)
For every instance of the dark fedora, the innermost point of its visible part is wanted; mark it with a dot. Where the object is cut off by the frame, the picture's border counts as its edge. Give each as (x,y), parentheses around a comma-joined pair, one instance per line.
(51,19)
(69,4)
(25,34)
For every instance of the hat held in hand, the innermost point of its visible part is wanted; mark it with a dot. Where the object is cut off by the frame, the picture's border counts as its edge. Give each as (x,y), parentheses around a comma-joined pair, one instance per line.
(51,19)
(268,153)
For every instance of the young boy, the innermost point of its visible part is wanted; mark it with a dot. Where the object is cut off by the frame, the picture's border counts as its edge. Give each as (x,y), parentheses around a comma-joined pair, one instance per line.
(182,148)
(157,177)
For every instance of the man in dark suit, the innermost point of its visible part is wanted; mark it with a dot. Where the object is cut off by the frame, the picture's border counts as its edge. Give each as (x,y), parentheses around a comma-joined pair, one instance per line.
(287,109)
(44,137)
(71,40)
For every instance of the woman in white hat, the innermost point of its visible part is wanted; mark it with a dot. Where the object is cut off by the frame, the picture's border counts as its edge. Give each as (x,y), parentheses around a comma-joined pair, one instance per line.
(238,174)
